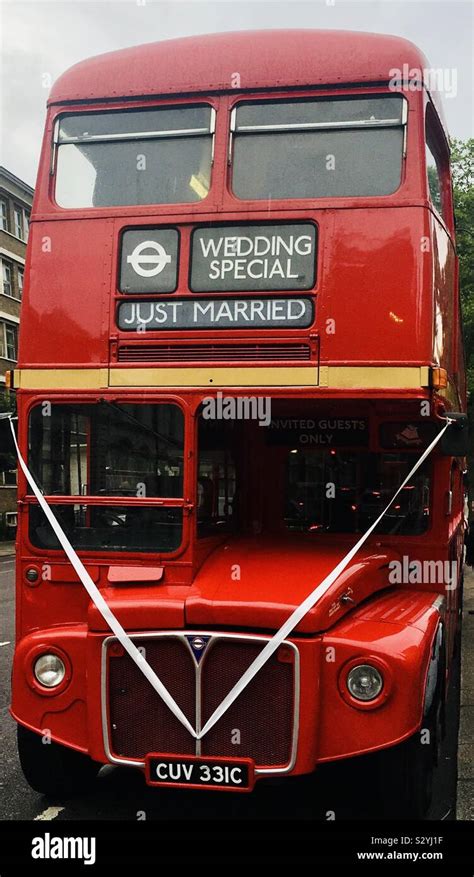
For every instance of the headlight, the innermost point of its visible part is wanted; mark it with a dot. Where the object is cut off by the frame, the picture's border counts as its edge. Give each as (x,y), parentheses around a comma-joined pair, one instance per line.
(364,682)
(49,670)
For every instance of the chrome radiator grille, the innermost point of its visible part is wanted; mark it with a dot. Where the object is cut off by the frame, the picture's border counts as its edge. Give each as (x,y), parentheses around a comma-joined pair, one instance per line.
(260,724)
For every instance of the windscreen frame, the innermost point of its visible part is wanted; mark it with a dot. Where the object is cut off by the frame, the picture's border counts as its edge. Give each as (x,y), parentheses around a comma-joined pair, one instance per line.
(183,503)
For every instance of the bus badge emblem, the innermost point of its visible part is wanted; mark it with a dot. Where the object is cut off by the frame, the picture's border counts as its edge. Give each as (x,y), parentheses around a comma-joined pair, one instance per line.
(198,645)
(157,262)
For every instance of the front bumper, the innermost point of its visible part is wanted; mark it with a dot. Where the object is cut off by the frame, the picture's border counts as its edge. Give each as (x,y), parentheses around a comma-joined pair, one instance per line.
(325,723)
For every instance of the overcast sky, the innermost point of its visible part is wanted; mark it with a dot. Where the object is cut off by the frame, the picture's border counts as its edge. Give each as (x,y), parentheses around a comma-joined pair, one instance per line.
(42,39)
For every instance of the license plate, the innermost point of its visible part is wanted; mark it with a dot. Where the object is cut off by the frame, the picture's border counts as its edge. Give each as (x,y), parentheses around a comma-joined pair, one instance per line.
(195,772)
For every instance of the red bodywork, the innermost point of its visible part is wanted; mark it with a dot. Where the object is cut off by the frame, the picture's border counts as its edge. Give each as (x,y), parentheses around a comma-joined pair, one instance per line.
(394,306)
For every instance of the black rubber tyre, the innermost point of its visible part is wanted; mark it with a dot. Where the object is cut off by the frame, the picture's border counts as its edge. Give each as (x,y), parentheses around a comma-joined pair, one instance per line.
(406,772)
(458,631)
(406,776)
(52,769)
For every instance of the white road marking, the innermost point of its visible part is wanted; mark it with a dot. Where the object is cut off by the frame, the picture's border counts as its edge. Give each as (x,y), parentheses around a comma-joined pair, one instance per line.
(6,643)
(49,813)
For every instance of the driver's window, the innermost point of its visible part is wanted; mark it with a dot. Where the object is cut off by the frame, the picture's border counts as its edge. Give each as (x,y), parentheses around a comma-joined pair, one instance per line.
(59,449)
(107,449)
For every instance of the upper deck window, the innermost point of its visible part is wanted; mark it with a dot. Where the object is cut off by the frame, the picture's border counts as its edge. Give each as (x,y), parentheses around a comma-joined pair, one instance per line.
(318,148)
(434,180)
(437,166)
(158,156)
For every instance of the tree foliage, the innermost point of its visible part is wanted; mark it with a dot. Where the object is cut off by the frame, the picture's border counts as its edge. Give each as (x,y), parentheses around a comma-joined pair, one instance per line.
(462,158)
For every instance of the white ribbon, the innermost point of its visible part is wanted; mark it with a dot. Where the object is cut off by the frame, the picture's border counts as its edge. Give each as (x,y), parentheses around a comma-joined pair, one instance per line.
(271,645)
(99,601)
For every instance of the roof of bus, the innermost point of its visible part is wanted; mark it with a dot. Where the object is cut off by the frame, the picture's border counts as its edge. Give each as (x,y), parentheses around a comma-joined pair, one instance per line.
(262,59)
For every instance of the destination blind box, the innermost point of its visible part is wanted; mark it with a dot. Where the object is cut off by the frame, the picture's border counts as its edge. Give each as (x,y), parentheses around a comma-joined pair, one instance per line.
(244,258)
(216,313)
(253,258)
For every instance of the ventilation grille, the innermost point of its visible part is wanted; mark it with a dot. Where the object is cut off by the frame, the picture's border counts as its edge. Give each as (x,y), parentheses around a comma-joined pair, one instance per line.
(140,722)
(214,353)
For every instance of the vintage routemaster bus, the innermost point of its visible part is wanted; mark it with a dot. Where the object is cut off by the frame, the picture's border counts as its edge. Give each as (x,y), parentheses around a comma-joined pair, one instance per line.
(240,334)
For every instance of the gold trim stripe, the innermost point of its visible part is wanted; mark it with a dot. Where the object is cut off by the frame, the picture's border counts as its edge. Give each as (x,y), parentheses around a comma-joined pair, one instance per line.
(297,376)
(61,378)
(331,377)
(350,377)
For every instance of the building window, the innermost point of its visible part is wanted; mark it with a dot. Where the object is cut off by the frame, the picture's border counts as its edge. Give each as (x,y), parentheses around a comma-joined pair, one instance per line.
(27,223)
(11,333)
(7,278)
(8,341)
(8,478)
(11,520)
(18,221)
(3,214)
(8,287)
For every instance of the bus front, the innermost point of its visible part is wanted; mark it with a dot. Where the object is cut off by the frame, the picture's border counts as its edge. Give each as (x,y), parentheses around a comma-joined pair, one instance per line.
(230,363)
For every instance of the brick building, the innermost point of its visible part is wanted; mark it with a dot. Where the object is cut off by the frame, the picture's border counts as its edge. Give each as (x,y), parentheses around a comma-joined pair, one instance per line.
(15,205)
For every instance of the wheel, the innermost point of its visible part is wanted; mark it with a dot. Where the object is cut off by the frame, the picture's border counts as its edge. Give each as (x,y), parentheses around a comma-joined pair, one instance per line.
(53,769)
(406,772)
(458,630)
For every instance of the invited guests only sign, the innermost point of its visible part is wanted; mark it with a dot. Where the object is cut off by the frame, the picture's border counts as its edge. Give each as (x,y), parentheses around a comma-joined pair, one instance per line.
(256,257)
(309,431)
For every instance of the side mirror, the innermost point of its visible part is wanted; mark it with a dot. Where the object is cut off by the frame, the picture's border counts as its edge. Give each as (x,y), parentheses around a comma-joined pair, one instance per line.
(455,441)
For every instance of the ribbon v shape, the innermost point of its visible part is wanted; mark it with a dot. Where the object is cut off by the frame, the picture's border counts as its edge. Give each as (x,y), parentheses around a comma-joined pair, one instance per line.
(271,645)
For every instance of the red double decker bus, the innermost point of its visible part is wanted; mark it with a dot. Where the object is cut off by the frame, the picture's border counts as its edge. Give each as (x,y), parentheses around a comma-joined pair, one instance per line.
(240,348)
